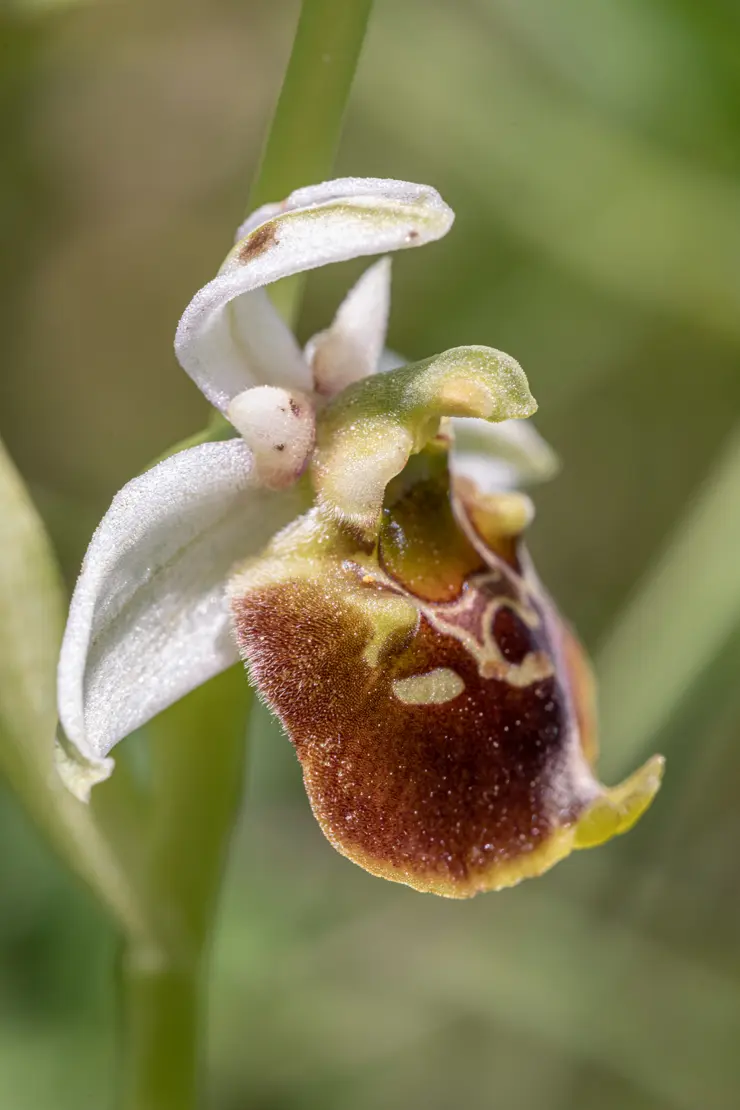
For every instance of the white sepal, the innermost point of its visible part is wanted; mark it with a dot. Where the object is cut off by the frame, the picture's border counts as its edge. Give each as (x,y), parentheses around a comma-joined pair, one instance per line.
(149,619)
(407,192)
(230,337)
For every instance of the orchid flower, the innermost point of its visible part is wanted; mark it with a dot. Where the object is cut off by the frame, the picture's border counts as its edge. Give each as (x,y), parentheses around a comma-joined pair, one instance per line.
(358,543)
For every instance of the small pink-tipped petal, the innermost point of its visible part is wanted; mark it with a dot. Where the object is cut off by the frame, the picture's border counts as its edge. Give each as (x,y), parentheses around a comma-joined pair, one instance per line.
(230,337)
(351,348)
(149,618)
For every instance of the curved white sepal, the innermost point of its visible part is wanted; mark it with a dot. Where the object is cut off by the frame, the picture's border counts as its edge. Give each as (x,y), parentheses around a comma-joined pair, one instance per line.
(499,457)
(149,619)
(407,192)
(229,345)
(352,347)
(231,338)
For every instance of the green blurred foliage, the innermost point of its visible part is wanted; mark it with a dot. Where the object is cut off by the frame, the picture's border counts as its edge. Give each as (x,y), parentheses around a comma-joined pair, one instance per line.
(592,153)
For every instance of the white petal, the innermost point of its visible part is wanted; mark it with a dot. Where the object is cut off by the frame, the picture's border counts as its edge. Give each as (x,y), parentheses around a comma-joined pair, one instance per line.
(230,337)
(501,456)
(149,619)
(351,348)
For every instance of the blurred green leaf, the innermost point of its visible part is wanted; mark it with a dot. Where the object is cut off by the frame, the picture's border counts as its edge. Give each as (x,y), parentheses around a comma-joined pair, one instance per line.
(40,7)
(31,623)
(373,985)
(682,614)
(567,179)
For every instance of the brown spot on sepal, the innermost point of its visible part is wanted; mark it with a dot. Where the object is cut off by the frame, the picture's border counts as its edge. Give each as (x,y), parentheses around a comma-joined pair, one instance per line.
(258,242)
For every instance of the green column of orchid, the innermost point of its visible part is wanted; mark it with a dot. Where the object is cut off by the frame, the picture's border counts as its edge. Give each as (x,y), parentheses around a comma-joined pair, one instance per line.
(198,744)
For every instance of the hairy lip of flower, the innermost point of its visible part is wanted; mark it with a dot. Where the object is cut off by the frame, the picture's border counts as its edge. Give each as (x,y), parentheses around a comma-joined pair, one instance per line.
(439,705)
(437,702)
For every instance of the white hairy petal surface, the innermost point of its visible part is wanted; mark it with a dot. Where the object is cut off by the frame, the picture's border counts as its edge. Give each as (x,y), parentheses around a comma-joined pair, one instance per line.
(149,619)
(407,192)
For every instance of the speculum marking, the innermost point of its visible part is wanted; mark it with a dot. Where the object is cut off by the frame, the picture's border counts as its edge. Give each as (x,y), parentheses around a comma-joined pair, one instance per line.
(433,688)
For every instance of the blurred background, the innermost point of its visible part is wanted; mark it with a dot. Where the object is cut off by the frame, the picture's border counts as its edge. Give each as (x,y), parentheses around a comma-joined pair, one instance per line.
(592,153)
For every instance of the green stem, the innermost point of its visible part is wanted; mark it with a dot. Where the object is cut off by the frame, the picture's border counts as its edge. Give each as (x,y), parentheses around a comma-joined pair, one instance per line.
(198,755)
(161,1016)
(198,750)
(304,136)
(198,744)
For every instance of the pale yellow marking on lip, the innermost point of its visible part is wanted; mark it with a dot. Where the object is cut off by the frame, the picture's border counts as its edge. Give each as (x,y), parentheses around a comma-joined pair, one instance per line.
(484,647)
(389,616)
(534,667)
(433,688)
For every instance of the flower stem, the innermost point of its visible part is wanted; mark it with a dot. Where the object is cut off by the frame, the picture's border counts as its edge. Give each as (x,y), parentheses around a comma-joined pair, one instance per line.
(161,1015)
(197,750)
(304,136)
(198,744)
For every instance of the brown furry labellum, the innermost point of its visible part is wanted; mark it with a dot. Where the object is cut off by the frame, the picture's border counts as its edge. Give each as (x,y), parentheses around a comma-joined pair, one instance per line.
(441,709)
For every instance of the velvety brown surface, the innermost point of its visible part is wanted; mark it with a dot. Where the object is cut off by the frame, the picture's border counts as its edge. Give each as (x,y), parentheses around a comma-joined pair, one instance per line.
(438,792)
